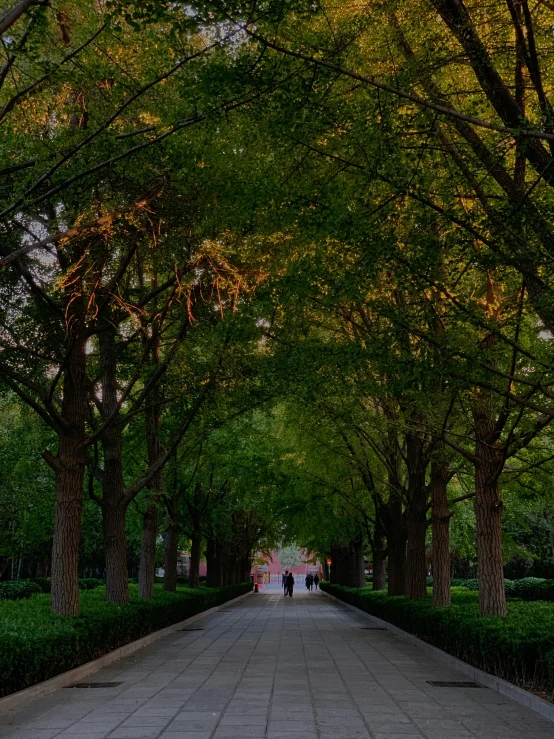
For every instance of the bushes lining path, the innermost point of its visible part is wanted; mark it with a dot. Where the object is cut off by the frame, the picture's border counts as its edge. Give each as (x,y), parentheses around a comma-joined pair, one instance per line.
(518,647)
(35,646)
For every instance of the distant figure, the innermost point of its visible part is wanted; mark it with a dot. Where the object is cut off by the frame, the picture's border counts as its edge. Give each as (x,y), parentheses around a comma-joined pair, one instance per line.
(265,579)
(309,581)
(290,584)
(284,582)
(316,580)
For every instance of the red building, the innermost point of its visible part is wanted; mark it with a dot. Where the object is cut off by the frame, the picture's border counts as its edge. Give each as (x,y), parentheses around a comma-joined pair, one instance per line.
(305,563)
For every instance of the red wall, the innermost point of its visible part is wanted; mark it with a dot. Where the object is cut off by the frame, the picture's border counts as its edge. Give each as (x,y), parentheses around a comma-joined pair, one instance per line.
(276,570)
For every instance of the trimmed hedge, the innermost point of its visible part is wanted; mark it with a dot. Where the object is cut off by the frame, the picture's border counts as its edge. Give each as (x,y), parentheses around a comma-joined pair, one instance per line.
(90,583)
(44,583)
(532,588)
(18,589)
(26,588)
(518,647)
(35,646)
(528,588)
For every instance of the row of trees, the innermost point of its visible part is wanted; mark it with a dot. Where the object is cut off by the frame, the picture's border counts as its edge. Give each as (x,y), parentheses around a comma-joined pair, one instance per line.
(119,284)
(344,208)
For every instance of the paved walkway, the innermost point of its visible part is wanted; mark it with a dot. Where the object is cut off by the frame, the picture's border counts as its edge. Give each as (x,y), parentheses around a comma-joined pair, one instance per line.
(277,668)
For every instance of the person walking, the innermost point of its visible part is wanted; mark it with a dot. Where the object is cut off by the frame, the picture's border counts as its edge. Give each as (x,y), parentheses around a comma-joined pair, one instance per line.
(290,584)
(284,581)
(309,581)
(316,580)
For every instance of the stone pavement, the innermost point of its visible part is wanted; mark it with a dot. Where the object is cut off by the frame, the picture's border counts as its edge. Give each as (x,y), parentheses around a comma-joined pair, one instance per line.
(277,668)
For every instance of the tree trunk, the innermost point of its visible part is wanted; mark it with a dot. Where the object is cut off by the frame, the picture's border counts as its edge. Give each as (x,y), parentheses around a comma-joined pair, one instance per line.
(115,552)
(218,563)
(226,563)
(211,561)
(335,565)
(379,555)
(147,567)
(114,505)
(354,577)
(396,546)
(416,566)
(246,569)
(441,533)
(416,523)
(171,551)
(392,514)
(69,468)
(195,550)
(488,511)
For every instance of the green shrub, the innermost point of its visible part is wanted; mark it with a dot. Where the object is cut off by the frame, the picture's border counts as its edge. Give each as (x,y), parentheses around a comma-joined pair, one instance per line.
(90,583)
(509,588)
(533,588)
(17,589)
(44,583)
(35,646)
(85,583)
(518,647)
(528,588)
(180,580)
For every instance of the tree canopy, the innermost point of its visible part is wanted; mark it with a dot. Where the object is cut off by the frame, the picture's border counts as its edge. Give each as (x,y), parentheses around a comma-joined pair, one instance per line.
(276,274)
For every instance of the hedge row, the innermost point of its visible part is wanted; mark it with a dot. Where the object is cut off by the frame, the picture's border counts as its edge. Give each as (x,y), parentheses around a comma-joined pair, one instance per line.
(518,647)
(17,589)
(528,588)
(35,646)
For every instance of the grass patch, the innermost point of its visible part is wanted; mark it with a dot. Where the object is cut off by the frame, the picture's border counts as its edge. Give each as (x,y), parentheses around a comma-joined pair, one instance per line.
(518,647)
(35,646)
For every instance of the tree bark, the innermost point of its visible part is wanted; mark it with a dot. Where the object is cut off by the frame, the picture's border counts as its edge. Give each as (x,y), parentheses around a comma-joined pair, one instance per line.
(396,546)
(488,509)
(210,561)
(114,505)
(335,565)
(69,467)
(115,552)
(147,567)
(225,561)
(355,577)
(392,514)
(438,486)
(379,556)
(195,550)
(416,523)
(171,551)
(218,563)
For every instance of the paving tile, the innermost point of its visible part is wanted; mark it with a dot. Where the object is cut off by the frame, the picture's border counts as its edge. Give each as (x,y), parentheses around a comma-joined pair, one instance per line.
(135,732)
(301,667)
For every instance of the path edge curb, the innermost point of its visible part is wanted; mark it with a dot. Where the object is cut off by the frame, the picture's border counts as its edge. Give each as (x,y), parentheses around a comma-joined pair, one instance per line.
(513,692)
(40,690)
